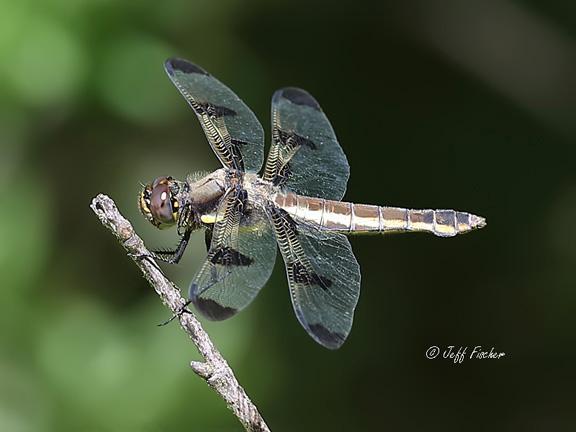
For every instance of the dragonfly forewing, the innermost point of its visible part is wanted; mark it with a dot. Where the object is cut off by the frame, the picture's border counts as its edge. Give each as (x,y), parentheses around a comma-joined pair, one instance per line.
(240,260)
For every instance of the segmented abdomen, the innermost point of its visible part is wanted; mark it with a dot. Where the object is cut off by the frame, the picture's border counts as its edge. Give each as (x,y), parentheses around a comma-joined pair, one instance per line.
(362,218)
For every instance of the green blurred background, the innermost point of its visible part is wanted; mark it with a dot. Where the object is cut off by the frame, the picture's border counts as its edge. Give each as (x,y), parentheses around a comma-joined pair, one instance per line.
(450,104)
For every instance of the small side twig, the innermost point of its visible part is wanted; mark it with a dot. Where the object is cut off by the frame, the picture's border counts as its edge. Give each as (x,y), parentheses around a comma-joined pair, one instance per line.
(214,369)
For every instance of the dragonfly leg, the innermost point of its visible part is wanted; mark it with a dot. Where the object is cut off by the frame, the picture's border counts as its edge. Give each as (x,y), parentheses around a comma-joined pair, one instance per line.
(208,237)
(182,311)
(173,256)
(149,258)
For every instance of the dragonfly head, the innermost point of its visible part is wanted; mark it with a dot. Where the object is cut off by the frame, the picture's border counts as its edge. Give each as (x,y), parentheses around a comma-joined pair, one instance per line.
(159,202)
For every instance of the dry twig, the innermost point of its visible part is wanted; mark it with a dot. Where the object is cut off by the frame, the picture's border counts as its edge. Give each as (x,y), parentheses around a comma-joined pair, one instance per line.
(214,369)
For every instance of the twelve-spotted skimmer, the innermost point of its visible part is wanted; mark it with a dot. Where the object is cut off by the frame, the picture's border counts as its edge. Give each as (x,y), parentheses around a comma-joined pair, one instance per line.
(294,203)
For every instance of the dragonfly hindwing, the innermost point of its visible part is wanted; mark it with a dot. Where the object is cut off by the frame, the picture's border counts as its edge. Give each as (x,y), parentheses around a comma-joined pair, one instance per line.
(323,275)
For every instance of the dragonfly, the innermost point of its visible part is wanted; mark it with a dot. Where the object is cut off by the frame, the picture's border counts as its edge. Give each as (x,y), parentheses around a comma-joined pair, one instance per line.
(293,204)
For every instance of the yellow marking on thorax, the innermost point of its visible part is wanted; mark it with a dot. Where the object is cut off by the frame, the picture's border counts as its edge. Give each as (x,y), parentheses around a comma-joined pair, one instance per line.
(210,218)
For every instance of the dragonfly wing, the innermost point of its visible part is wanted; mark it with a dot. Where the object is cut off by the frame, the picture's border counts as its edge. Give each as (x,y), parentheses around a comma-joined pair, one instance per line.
(305,155)
(232,129)
(240,259)
(323,275)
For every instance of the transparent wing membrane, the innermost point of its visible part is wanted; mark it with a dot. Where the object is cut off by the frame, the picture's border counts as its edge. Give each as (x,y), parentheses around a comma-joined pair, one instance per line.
(240,260)
(323,275)
(305,156)
(233,131)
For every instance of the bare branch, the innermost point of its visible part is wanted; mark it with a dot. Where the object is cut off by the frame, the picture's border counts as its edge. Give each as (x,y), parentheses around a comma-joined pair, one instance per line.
(214,369)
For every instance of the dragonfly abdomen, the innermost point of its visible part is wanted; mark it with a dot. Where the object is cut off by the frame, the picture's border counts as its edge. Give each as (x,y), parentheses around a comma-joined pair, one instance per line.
(362,218)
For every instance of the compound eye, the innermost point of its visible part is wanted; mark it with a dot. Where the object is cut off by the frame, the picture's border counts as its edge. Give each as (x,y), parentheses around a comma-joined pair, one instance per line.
(145,200)
(161,203)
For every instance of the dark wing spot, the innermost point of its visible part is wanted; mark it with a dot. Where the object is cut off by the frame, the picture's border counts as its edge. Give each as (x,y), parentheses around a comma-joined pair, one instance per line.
(220,111)
(176,64)
(300,97)
(302,275)
(212,310)
(227,256)
(321,281)
(331,340)
(213,110)
(301,141)
(293,140)
(238,142)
